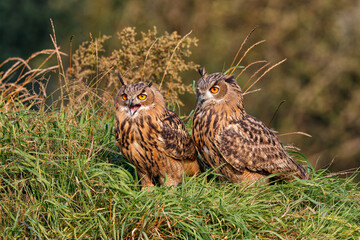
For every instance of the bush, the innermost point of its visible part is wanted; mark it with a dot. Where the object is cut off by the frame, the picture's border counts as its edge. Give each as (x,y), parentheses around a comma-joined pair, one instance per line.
(159,59)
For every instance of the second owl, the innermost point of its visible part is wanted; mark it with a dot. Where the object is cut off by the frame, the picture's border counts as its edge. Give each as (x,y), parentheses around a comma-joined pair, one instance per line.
(151,137)
(237,145)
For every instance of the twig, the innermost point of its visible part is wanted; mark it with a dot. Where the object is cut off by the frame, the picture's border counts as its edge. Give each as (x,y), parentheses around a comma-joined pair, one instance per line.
(252,91)
(255,73)
(273,66)
(349,171)
(53,39)
(70,53)
(249,65)
(147,54)
(291,133)
(241,46)
(247,51)
(167,66)
(276,111)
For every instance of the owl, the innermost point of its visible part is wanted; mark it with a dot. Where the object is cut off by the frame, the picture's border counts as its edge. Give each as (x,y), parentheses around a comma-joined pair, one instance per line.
(238,146)
(151,137)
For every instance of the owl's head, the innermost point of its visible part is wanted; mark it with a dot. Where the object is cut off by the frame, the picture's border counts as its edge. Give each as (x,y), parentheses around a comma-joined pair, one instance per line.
(217,88)
(137,99)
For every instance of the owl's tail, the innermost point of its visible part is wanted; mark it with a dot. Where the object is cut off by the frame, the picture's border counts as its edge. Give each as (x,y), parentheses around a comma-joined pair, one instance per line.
(301,173)
(298,170)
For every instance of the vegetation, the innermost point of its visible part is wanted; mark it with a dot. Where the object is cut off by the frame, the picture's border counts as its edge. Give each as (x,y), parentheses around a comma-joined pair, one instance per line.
(61,176)
(320,80)
(159,59)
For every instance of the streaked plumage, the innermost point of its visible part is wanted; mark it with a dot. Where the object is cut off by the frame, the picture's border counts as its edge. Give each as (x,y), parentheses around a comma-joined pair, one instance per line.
(151,137)
(237,145)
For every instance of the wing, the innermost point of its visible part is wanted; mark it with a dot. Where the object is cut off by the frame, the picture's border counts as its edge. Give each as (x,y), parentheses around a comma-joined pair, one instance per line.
(249,144)
(176,139)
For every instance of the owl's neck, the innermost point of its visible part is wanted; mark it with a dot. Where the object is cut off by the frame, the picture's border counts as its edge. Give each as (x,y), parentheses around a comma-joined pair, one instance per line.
(156,110)
(229,111)
(235,110)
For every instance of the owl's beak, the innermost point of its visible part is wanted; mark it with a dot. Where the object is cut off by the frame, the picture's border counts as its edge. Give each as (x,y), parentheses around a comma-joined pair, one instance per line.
(133,107)
(200,99)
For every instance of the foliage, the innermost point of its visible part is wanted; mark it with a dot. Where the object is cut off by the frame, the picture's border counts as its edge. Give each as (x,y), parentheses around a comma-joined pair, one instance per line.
(159,59)
(22,83)
(62,177)
(320,80)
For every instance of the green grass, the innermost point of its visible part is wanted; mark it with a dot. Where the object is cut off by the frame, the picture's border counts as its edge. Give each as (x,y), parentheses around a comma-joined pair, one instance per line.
(61,177)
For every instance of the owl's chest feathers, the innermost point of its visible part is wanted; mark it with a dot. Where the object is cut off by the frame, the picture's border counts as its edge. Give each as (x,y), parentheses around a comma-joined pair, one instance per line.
(142,130)
(208,125)
(138,141)
(212,121)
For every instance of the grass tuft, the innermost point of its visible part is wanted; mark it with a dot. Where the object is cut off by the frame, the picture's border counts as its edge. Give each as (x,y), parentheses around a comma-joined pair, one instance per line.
(61,176)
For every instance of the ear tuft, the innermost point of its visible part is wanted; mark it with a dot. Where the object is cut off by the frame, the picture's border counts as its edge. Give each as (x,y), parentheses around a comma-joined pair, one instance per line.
(121,79)
(230,78)
(202,72)
(150,84)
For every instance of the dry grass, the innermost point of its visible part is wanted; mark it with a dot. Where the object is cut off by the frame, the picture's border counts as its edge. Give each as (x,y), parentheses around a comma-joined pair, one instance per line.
(20,82)
(92,74)
(148,57)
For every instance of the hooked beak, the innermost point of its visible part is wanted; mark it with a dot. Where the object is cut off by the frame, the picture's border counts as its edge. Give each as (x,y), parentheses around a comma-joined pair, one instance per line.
(133,108)
(200,100)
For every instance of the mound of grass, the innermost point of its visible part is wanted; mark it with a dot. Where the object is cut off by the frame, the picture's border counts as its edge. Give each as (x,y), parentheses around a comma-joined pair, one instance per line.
(61,177)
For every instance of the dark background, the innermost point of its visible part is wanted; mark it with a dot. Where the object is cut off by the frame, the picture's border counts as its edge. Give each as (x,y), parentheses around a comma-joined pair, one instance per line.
(320,39)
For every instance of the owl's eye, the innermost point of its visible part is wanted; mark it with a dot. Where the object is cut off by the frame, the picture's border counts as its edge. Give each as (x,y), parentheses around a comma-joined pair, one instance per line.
(124,96)
(214,89)
(142,96)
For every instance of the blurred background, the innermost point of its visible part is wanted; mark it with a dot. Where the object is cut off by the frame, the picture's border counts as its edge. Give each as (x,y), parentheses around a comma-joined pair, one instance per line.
(320,80)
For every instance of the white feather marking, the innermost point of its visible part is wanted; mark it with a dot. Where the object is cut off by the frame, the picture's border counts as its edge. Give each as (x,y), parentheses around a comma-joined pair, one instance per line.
(206,150)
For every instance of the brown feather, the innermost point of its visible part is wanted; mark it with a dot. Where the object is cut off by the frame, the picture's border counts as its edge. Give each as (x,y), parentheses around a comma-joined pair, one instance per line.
(237,145)
(152,137)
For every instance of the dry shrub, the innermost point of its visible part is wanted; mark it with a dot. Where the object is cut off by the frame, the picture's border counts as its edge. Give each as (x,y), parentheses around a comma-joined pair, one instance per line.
(147,57)
(20,83)
(91,78)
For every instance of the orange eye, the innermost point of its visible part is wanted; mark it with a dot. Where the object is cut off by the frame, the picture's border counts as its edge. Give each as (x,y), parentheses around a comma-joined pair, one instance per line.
(142,96)
(124,96)
(214,89)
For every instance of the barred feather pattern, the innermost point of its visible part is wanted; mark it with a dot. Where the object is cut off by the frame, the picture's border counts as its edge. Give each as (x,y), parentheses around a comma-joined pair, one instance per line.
(237,145)
(153,138)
